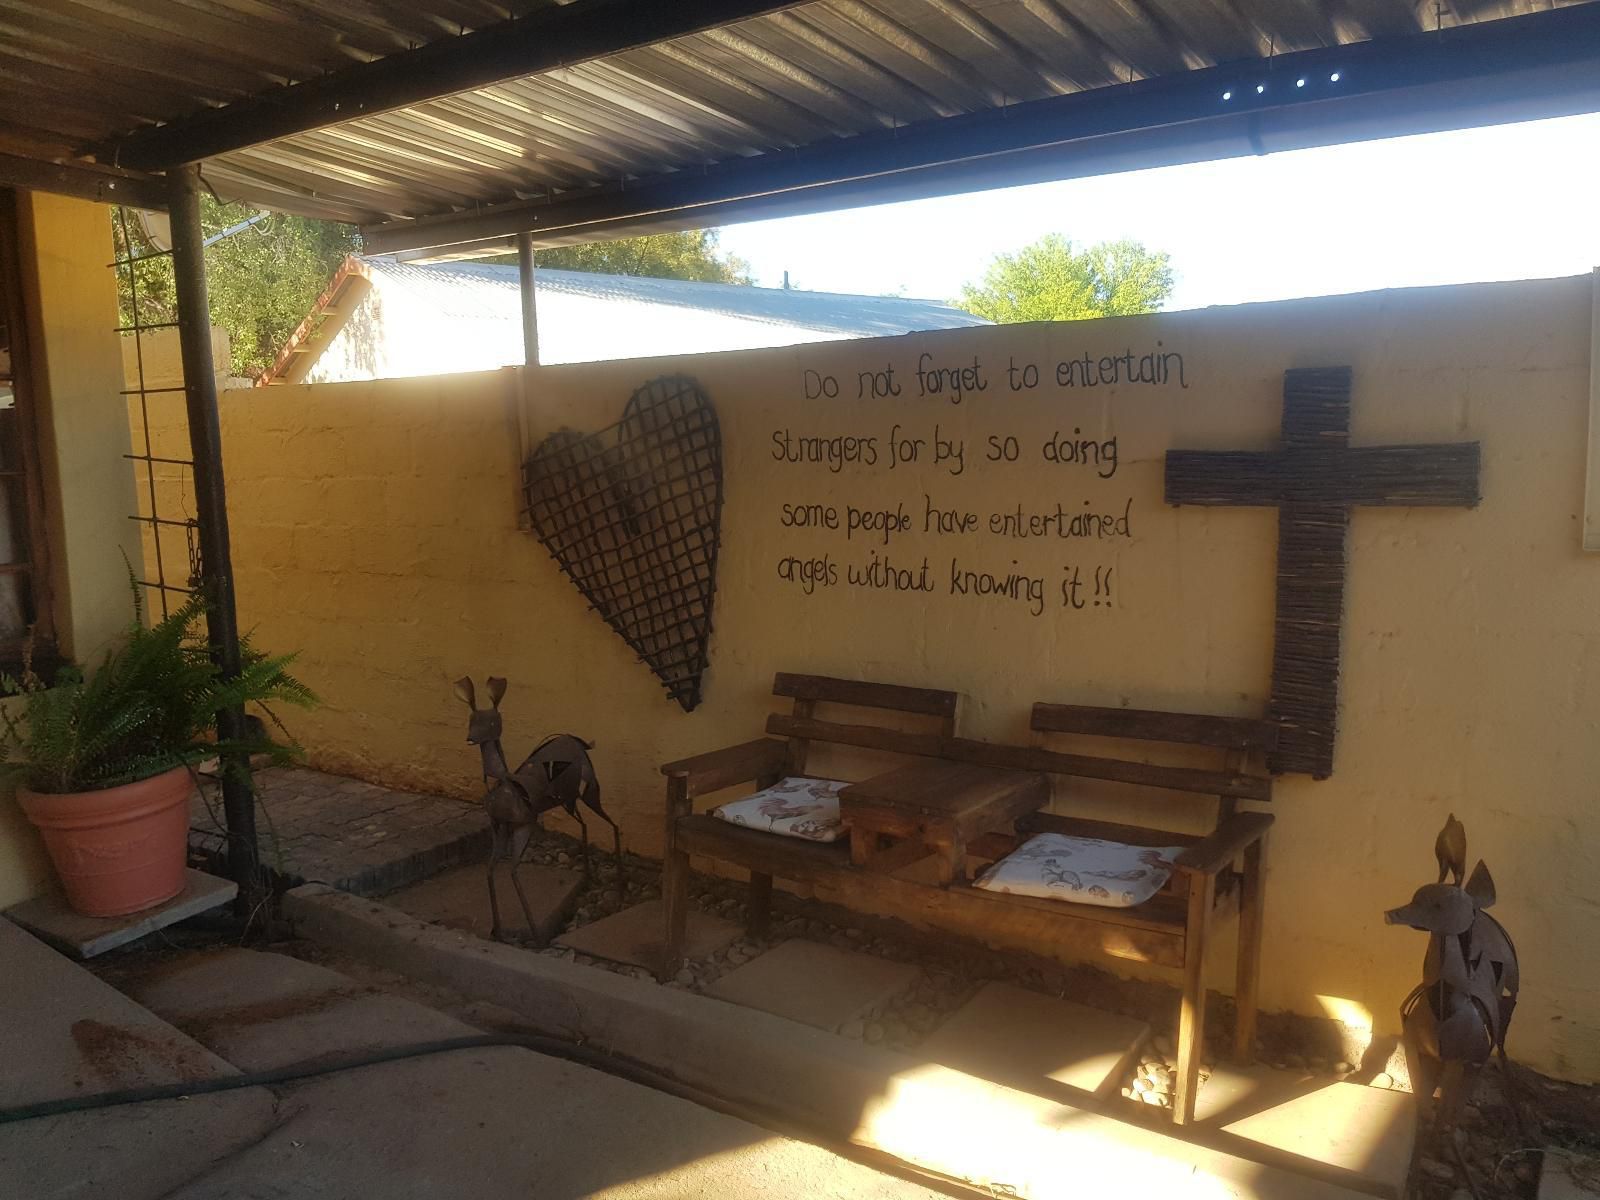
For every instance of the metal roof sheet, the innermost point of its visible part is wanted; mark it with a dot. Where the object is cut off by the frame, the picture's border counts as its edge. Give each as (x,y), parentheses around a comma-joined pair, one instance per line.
(79,73)
(463,300)
(467,289)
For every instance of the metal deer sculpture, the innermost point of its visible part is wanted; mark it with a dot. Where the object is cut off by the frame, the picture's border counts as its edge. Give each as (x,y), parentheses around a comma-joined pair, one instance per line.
(558,774)
(1458,1015)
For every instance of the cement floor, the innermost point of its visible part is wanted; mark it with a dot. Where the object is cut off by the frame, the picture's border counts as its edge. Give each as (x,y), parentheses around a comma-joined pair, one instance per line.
(485,1122)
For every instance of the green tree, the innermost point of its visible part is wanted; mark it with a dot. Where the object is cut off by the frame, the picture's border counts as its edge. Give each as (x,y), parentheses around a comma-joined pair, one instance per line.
(689,254)
(1051,281)
(262,280)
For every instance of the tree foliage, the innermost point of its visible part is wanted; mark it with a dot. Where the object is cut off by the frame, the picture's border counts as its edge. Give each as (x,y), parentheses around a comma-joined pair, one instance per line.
(689,254)
(262,280)
(1049,280)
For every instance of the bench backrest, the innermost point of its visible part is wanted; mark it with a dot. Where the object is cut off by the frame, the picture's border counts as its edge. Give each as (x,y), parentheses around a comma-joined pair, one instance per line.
(1235,737)
(801,726)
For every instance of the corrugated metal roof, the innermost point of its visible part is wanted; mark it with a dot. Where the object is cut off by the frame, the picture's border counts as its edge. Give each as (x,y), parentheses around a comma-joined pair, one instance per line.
(491,290)
(75,73)
(474,316)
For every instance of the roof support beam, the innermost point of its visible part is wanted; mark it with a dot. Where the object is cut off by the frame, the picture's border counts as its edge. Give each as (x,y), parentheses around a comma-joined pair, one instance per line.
(1521,68)
(85,183)
(552,37)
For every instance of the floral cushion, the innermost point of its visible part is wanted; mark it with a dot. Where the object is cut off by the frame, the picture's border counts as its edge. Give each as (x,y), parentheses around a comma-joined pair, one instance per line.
(1054,866)
(794,807)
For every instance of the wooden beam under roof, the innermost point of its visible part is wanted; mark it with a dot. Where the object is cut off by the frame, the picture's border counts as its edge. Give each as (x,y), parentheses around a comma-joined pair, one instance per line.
(85,182)
(552,37)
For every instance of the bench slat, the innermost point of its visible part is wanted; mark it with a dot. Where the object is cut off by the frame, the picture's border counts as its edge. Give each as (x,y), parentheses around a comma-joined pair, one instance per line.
(1231,733)
(1024,758)
(865,694)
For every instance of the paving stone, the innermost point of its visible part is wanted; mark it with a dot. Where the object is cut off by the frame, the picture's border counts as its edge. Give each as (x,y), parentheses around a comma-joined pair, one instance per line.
(359,837)
(51,918)
(459,899)
(634,936)
(65,1033)
(1557,1181)
(1347,1126)
(1036,1043)
(815,984)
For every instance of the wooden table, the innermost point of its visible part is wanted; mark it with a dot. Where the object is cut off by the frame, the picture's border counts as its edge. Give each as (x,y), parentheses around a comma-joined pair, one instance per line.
(935,807)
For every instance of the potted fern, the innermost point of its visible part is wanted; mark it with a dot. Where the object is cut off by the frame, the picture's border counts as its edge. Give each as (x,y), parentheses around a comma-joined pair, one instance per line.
(104,762)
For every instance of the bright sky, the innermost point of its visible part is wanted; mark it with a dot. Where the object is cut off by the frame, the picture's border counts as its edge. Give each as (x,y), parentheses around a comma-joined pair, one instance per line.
(1505,202)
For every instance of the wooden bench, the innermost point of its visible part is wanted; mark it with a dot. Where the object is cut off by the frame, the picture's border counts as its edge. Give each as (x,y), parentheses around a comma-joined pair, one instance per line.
(1172,929)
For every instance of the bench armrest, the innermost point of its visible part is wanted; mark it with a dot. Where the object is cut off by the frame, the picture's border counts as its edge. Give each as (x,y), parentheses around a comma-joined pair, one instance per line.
(735,764)
(1213,853)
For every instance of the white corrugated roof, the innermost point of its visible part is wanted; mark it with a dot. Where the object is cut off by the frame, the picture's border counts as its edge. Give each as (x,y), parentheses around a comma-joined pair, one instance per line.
(468,289)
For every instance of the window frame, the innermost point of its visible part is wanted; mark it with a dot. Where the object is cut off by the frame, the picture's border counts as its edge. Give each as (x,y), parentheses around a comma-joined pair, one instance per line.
(35,568)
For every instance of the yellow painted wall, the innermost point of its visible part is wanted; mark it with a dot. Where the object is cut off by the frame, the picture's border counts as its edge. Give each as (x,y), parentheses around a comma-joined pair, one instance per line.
(72,305)
(374,528)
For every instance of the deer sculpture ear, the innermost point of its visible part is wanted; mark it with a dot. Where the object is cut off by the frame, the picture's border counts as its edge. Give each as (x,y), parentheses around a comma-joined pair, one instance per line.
(1480,886)
(497,689)
(465,693)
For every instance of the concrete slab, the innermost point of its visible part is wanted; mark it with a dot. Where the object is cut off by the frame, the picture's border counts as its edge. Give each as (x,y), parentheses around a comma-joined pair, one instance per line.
(1357,1132)
(1557,1180)
(65,1033)
(210,981)
(634,935)
(507,1123)
(994,1138)
(132,1151)
(1234,1093)
(1037,1043)
(261,1011)
(814,984)
(50,918)
(459,899)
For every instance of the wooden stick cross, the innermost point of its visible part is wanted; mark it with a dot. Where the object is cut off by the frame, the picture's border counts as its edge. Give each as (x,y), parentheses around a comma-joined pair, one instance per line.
(1314,480)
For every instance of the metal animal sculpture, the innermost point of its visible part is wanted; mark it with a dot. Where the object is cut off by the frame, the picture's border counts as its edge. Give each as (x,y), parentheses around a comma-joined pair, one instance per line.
(558,774)
(1458,1015)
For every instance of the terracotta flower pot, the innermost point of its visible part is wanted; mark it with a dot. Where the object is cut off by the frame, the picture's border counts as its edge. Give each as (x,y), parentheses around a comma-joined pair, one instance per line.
(119,850)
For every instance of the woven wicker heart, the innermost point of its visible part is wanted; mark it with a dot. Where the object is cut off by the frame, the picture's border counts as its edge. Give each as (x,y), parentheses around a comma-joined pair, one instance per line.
(633,516)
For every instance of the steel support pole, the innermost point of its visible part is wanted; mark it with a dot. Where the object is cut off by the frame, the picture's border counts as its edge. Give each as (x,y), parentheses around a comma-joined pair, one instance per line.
(205,443)
(530,303)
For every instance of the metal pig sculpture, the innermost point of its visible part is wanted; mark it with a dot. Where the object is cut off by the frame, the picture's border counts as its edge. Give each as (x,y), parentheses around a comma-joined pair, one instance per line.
(1457,1017)
(558,774)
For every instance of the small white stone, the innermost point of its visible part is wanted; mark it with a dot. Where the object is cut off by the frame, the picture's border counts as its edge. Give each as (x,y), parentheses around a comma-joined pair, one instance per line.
(1384,1080)
(1128,1093)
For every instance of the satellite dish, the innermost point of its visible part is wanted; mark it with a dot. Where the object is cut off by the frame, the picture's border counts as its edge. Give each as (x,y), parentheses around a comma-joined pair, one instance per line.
(157,227)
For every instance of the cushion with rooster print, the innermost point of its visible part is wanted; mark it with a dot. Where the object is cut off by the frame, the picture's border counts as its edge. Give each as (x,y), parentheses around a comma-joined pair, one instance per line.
(1054,866)
(795,807)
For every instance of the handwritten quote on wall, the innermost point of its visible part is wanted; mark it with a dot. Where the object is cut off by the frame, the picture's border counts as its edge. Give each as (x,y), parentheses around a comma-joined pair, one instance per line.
(1049,545)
